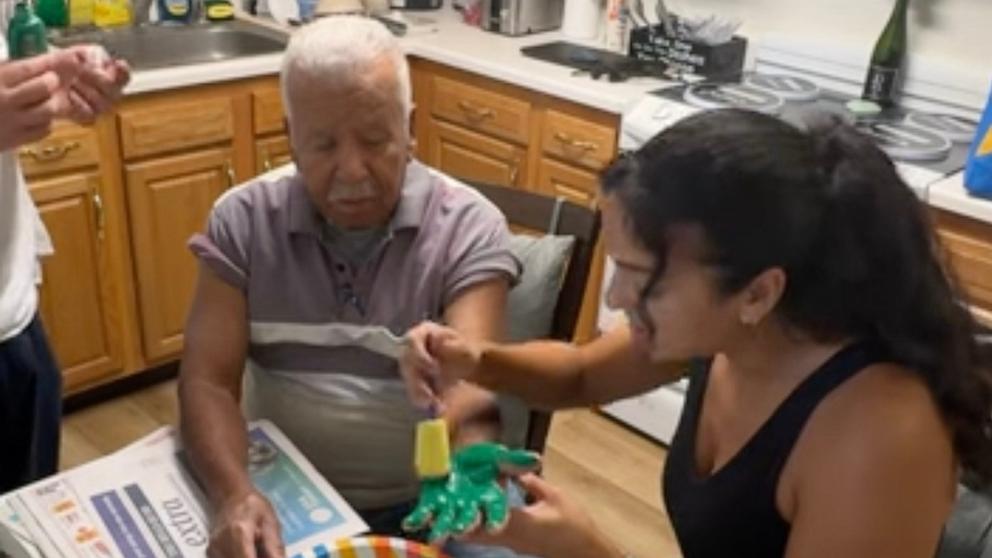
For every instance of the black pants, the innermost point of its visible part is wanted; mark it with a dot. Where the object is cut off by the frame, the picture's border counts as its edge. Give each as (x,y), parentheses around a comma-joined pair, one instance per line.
(30,408)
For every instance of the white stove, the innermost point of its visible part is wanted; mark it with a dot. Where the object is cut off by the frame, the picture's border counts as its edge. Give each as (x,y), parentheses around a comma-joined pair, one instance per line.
(927,143)
(925,146)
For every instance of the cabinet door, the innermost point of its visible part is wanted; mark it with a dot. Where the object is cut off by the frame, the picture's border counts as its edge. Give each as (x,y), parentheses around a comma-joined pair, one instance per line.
(574,184)
(469,155)
(77,306)
(968,244)
(169,200)
(267,109)
(271,153)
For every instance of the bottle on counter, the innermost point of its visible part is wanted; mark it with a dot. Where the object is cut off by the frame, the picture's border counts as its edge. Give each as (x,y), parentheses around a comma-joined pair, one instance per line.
(179,11)
(886,67)
(26,33)
(617,25)
(80,12)
(54,13)
(112,13)
(218,10)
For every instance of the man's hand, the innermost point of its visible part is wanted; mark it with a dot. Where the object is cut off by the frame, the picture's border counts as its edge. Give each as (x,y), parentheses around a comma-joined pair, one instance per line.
(455,505)
(246,526)
(29,95)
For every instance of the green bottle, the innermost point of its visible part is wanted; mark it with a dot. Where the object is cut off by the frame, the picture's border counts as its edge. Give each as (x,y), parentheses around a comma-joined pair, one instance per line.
(885,68)
(53,12)
(26,33)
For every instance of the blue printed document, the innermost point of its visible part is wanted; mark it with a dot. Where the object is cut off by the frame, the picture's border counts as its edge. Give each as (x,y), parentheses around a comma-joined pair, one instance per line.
(142,502)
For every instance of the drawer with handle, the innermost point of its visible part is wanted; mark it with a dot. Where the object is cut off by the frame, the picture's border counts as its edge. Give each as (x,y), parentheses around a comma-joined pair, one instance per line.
(169,126)
(578,141)
(68,147)
(482,110)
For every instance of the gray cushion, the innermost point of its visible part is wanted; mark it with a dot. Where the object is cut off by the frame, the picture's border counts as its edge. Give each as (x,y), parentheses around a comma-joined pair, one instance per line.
(968,532)
(530,310)
(531,305)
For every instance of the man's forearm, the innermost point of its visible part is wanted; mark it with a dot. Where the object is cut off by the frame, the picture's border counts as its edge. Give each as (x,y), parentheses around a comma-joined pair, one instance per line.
(215,438)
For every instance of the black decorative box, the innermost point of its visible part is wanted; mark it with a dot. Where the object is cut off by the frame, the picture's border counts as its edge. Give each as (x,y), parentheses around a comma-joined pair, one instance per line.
(721,62)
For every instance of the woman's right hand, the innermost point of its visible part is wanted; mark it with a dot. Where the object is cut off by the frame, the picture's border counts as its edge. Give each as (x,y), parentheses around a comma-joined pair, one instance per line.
(246,526)
(436,358)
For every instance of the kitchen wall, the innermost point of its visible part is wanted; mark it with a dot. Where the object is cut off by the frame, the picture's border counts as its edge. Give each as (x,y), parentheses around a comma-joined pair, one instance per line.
(955,35)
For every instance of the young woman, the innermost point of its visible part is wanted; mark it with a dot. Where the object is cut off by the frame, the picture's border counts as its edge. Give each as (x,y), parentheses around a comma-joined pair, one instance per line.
(836,391)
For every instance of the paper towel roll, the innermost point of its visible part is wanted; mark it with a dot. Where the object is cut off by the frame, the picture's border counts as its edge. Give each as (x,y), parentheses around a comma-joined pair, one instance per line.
(581,19)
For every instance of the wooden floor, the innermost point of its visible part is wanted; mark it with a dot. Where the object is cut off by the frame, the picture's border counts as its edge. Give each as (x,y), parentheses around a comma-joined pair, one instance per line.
(613,472)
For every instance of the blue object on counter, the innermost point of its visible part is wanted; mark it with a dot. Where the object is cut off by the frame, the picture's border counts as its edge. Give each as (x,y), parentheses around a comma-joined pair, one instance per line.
(307,9)
(978,172)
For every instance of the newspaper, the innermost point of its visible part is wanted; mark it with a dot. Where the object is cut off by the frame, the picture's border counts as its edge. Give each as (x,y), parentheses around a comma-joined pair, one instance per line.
(142,502)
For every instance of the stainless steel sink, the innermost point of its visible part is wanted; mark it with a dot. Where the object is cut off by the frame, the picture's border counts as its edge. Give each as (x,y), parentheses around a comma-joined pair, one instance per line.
(159,46)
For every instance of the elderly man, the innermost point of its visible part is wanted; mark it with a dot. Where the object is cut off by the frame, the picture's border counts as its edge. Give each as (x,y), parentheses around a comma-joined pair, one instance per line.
(297,271)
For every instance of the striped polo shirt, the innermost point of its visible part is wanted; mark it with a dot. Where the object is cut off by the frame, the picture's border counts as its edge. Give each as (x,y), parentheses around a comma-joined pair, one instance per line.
(315,366)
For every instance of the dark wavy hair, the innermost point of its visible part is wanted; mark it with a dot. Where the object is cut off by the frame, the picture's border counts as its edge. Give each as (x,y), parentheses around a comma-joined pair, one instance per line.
(827,206)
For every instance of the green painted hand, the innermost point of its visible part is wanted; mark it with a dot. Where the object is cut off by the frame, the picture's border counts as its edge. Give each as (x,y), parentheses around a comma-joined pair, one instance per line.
(455,504)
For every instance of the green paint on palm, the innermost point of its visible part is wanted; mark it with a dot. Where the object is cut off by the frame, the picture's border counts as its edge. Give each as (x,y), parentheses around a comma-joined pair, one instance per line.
(457,503)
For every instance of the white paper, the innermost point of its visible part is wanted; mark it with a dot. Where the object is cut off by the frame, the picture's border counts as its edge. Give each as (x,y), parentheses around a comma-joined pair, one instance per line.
(142,502)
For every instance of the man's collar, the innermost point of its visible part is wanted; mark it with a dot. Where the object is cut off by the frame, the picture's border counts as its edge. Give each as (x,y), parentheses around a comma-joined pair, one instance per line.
(409,214)
(417,187)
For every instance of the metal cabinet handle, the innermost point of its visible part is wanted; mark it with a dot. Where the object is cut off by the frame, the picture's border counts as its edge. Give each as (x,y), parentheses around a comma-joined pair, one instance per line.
(231,178)
(570,142)
(474,112)
(101,221)
(51,153)
(514,172)
(266,160)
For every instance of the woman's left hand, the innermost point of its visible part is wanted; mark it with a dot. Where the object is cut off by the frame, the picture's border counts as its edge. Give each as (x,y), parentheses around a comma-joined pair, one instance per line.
(550,527)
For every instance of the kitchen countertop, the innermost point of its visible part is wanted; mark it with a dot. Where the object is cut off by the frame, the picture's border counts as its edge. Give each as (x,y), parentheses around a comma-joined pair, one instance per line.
(950,195)
(447,41)
(147,81)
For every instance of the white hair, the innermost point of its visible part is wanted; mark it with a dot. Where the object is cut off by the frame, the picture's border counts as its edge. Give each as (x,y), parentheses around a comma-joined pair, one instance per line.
(341,48)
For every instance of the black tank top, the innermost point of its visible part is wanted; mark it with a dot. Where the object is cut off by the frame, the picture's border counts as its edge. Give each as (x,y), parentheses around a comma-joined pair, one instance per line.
(732,512)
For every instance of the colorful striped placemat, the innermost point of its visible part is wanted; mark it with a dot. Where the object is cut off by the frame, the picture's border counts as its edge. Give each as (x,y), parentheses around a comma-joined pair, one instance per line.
(373,547)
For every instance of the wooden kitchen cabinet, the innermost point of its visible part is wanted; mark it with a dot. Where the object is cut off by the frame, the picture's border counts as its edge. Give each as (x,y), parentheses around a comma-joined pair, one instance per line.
(271,153)
(269,125)
(181,150)
(473,156)
(968,245)
(579,137)
(175,125)
(77,302)
(267,111)
(474,104)
(577,185)
(169,201)
(476,128)
(84,284)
